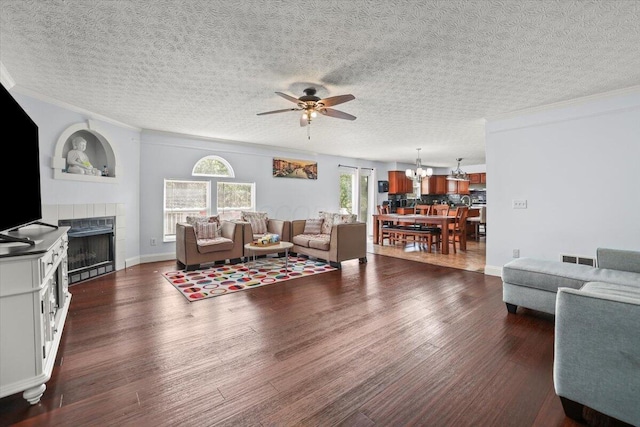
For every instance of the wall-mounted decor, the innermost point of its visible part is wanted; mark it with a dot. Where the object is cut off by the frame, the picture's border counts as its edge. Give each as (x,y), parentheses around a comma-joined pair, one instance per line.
(290,168)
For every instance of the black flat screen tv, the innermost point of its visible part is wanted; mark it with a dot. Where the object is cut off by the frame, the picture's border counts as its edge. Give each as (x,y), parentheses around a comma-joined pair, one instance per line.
(21,199)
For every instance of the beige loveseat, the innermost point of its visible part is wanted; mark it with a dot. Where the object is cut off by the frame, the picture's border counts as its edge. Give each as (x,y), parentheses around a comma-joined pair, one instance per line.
(192,251)
(332,242)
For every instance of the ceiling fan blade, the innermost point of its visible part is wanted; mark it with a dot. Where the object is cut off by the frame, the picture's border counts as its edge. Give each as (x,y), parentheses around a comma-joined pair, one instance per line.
(337,114)
(278,111)
(303,121)
(335,100)
(288,97)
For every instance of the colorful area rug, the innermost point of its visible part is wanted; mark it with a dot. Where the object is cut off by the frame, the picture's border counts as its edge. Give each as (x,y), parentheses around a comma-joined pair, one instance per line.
(224,279)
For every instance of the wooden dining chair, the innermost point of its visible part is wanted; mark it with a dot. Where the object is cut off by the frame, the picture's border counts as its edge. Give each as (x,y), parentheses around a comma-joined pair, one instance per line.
(458,229)
(388,228)
(423,209)
(442,210)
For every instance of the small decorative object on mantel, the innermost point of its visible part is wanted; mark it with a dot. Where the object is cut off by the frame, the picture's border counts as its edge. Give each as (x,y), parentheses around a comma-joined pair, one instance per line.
(290,168)
(267,240)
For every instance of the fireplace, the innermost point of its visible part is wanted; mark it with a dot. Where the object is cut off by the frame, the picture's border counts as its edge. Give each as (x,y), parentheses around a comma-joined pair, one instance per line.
(91,247)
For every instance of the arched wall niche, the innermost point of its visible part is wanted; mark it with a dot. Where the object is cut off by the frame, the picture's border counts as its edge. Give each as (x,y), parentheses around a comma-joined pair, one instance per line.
(98,149)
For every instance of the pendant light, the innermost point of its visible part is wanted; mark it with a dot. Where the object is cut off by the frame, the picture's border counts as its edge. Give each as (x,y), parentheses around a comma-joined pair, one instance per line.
(458,174)
(419,172)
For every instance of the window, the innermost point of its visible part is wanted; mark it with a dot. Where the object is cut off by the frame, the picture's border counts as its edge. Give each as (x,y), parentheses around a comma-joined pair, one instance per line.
(213,166)
(348,194)
(234,197)
(182,199)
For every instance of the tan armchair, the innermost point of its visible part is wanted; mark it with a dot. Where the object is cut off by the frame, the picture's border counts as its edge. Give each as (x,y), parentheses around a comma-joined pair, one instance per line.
(346,241)
(190,254)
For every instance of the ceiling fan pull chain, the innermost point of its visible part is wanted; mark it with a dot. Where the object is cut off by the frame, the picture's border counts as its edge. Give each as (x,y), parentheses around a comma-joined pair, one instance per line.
(309,133)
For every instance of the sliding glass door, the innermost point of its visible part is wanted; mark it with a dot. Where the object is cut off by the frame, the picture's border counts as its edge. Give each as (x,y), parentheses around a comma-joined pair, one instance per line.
(357,194)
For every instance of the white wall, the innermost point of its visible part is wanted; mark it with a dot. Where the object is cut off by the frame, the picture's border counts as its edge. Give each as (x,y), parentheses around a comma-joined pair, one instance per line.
(173,156)
(578,167)
(52,120)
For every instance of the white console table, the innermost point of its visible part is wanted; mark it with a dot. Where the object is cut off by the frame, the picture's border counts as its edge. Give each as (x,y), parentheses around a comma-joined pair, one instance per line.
(34,301)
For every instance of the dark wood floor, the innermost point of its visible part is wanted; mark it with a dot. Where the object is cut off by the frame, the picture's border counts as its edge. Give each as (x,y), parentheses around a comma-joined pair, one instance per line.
(390,343)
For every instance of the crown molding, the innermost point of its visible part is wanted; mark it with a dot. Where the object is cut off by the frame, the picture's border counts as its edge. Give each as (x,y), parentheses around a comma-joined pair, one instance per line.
(563,104)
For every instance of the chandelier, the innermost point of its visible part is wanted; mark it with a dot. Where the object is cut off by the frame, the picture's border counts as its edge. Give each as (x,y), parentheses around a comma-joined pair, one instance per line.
(458,174)
(419,172)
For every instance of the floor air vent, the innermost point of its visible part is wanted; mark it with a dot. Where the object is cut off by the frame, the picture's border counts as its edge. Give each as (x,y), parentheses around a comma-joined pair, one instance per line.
(573,259)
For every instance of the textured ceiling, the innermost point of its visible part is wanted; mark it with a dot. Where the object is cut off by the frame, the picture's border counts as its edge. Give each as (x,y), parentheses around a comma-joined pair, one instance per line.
(424,73)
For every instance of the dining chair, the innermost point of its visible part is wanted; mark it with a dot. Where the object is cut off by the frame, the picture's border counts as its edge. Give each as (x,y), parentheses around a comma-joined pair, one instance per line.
(478,222)
(423,209)
(388,228)
(442,210)
(458,229)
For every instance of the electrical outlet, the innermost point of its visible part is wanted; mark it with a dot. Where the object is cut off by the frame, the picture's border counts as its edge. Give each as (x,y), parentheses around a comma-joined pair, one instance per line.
(519,204)
(516,253)
(153,242)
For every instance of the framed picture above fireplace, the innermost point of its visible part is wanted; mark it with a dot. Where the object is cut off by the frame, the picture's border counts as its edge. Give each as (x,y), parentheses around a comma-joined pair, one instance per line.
(292,168)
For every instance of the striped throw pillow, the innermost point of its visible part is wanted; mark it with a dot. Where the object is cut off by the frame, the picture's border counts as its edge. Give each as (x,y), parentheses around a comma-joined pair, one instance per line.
(313,226)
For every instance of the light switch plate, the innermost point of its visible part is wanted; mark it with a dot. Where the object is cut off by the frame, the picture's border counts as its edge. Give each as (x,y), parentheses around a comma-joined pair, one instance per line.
(519,204)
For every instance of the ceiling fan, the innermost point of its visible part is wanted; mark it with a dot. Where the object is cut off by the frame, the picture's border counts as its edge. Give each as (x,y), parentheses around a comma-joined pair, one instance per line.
(311,105)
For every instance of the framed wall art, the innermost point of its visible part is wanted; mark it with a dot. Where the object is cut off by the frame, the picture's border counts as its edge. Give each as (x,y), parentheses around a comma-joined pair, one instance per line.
(291,168)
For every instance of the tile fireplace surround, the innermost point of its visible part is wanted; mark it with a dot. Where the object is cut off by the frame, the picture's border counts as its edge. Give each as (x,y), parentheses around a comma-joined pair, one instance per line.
(51,214)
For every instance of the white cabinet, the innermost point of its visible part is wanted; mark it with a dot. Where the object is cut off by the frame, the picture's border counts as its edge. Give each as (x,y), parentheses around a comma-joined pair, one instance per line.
(34,301)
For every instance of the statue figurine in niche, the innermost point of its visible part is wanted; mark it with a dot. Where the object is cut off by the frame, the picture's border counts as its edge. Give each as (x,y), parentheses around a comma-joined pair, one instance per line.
(77,161)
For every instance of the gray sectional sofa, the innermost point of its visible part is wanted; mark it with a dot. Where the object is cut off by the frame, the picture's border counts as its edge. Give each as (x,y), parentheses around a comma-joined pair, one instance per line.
(597,327)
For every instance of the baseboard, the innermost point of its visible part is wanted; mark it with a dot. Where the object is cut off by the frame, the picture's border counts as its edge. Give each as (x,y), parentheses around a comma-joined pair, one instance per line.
(144,259)
(491,270)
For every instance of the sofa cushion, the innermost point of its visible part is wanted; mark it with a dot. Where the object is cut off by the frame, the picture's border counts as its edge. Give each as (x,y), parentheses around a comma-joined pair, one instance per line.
(615,276)
(206,230)
(214,245)
(315,241)
(320,241)
(550,275)
(546,275)
(313,226)
(618,259)
(258,221)
(613,290)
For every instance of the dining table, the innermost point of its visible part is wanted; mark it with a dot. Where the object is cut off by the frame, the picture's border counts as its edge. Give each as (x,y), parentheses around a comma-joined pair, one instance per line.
(441,221)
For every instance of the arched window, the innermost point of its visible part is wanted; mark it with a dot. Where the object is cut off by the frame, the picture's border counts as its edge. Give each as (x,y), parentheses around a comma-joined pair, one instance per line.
(213,166)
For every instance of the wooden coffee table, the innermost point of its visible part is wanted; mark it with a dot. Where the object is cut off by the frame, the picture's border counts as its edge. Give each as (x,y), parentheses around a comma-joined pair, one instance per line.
(255,250)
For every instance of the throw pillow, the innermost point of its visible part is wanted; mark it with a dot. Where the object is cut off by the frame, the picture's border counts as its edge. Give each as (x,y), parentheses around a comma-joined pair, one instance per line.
(313,226)
(206,230)
(344,218)
(201,218)
(258,221)
(327,221)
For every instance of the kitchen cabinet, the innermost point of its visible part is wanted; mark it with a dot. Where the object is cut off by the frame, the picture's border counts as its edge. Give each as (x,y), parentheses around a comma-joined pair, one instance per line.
(457,187)
(434,185)
(34,301)
(477,178)
(399,183)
